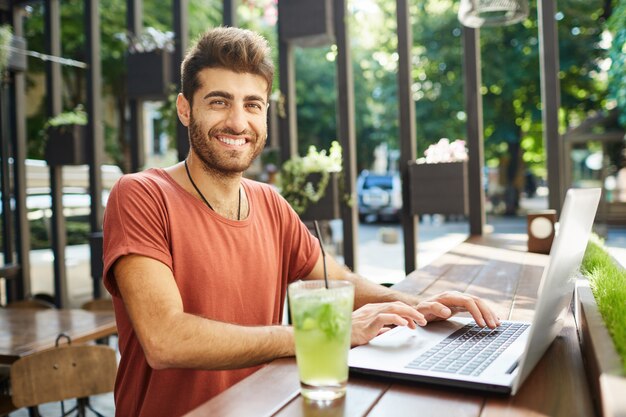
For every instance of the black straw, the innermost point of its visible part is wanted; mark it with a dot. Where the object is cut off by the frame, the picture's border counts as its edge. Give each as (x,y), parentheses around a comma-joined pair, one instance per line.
(319,237)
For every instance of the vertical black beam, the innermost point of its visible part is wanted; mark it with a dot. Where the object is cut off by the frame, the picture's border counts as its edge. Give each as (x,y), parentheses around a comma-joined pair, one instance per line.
(287,113)
(273,135)
(9,269)
(18,104)
(346,131)
(95,143)
(181,39)
(134,16)
(229,13)
(134,26)
(551,99)
(52,10)
(54,91)
(7,211)
(408,147)
(475,143)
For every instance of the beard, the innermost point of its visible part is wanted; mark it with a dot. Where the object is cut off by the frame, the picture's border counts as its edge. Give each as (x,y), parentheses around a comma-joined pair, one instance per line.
(217,159)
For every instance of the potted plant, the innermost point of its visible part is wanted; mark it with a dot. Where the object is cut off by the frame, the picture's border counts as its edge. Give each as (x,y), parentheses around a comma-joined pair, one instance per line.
(66,138)
(307,23)
(311,183)
(149,64)
(601,323)
(17,57)
(6,34)
(438,182)
(10,46)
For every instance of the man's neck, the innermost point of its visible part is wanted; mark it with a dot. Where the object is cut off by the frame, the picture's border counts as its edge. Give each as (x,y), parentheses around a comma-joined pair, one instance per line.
(221,192)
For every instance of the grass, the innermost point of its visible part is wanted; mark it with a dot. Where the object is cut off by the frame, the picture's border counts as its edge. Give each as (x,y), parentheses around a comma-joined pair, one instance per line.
(608,284)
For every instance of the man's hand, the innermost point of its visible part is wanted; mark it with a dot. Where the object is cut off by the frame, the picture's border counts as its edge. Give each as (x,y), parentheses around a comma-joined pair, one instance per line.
(373,319)
(447,304)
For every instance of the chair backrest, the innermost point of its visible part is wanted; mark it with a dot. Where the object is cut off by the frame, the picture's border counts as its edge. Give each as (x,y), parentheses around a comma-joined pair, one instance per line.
(31,303)
(98,304)
(6,405)
(63,373)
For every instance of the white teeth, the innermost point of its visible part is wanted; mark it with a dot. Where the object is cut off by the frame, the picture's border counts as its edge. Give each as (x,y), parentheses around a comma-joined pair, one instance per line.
(235,142)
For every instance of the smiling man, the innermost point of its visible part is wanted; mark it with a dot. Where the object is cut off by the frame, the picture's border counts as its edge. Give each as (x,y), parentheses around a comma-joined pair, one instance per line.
(198,258)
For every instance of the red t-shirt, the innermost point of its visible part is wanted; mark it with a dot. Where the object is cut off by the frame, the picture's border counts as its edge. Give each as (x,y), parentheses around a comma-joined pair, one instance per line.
(225,270)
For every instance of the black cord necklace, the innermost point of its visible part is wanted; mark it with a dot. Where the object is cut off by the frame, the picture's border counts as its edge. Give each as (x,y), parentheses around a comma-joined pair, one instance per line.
(202,195)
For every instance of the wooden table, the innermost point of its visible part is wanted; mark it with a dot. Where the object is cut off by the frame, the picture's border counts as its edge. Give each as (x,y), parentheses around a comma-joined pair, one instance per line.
(497,268)
(25,331)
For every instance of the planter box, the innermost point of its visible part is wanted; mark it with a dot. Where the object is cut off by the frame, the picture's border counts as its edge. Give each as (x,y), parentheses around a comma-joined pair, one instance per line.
(149,74)
(306,23)
(438,188)
(66,145)
(327,208)
(602,363)
(17,60)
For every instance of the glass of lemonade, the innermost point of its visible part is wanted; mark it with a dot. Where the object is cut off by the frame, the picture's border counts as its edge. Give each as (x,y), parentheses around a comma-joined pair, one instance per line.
(322,325)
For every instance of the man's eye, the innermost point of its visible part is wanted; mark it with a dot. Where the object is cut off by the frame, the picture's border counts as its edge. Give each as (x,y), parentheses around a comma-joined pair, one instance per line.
(255,106)
(217,103)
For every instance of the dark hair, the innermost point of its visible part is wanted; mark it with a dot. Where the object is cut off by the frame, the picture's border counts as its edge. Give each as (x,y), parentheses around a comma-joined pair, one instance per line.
(234,49)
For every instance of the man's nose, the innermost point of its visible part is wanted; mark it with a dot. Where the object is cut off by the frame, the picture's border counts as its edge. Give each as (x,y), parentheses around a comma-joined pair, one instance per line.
(237,119)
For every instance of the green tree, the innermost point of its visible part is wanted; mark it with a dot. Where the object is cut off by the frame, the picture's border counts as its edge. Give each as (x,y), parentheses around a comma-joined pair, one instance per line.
(374,62)
(617,53)
(510,71)
(203,14)
(510,76)
(316,98)
(73,47)
(511,86)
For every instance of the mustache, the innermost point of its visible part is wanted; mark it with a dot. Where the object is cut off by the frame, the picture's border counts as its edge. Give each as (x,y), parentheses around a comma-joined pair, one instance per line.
(229,131)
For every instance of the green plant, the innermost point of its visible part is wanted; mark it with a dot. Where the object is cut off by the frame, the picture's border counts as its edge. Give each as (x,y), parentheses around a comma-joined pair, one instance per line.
(150,39)
(65,136)
(169,114)
(6,34)
(77,232)
(608,284)
(78,116)
(617,53)
(294,179)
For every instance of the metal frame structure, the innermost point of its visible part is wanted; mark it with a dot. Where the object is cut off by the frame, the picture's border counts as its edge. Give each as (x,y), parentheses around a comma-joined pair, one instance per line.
(408,147)
(288,132)
(52,13)
(15,230)
(16,269)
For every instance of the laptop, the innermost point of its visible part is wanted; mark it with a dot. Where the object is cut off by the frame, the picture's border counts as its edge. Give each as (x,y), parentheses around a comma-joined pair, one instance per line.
(457,353)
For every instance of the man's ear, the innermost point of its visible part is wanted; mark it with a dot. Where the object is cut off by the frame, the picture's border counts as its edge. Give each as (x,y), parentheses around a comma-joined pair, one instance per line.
(183,109)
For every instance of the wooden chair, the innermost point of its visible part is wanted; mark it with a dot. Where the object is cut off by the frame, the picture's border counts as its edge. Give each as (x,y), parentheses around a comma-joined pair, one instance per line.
(98,304)
(35,303)
(6,405)
(62,373)
(29,303)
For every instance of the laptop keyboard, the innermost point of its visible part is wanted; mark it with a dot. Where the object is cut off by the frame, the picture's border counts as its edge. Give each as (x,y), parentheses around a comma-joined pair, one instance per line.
(469,350)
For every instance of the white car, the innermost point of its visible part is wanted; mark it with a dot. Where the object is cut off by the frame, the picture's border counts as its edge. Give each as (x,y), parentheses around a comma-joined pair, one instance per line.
(380,196)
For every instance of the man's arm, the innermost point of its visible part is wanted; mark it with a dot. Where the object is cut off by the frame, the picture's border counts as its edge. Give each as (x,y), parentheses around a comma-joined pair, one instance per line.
(172,338)
(440,307)
(365,291)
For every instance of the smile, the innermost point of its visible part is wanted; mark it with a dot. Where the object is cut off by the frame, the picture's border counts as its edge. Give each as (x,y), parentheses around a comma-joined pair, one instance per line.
(233,142)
